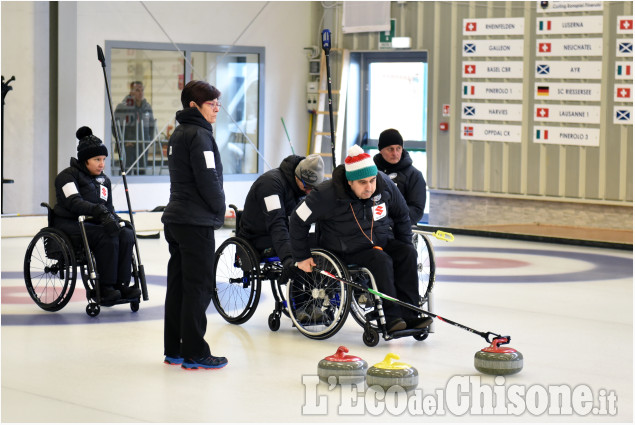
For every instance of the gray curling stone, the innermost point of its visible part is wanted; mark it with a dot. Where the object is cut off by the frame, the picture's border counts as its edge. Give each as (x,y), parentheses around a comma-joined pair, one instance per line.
(345,368)
(388,373)
(496,360)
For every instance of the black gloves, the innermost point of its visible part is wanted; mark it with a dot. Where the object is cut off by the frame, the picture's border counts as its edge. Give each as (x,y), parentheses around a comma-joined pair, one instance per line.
(107,219)
(99,211)
(289,270)
(111,225)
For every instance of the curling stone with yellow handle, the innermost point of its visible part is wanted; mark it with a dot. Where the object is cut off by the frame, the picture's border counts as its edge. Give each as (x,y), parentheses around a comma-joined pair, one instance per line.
(342,365)
(388,373)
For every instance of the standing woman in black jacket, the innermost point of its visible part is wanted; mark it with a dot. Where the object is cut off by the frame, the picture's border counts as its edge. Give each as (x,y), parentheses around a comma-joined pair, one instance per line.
(196,208)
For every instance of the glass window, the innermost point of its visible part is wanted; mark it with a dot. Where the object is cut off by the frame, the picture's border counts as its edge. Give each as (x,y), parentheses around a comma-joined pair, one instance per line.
(397,98)
(237,77)
(146,83)
(145,95)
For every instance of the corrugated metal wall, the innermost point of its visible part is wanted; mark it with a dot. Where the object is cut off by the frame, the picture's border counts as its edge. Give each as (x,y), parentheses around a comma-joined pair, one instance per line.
(528,170)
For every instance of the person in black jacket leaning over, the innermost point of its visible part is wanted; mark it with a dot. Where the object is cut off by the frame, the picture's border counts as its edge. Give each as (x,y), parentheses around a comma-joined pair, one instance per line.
(362,218)
(196,208)
(272,198)
(395,161)
(83,189)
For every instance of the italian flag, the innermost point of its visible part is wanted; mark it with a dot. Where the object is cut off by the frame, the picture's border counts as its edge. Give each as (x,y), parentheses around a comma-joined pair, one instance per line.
(544,25)
(542,134)
(469,90)
(624,70)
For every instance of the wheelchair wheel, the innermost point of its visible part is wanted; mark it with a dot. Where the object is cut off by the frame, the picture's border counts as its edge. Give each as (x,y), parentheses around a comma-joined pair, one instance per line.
(425,265)
(237,284)
(318,305)
(362,302)
(49,269)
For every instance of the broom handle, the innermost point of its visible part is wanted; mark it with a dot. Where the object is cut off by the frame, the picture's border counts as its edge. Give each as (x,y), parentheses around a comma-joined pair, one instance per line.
(488,336)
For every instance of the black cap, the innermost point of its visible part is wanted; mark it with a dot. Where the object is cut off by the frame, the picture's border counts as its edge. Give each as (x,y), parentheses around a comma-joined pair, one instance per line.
(89,146)
(388,138)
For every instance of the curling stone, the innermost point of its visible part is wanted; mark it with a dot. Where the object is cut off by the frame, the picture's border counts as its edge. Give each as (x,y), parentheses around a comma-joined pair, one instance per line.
(341,365)
(496,360)
(388,373)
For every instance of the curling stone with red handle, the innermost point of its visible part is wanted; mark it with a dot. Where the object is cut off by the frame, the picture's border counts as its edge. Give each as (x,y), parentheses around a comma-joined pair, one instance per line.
(497,360)
(342,365)
(388,373)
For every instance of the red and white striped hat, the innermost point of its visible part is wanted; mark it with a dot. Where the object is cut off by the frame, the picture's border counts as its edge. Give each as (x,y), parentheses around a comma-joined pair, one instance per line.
(358,164)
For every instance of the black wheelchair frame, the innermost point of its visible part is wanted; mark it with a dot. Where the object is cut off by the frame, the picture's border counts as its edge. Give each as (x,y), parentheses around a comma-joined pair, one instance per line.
(50,269)
(317,305)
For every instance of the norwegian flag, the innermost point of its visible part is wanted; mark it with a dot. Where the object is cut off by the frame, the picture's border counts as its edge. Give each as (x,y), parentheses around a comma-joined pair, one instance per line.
(626,24)
(470,26)
(542,112)
(544,47)
(468,131)
(470,68)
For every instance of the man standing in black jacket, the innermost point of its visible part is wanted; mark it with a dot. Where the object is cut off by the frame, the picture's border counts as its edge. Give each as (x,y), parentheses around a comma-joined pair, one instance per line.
(362,218)
(395,161)
(196,208)
(272,198)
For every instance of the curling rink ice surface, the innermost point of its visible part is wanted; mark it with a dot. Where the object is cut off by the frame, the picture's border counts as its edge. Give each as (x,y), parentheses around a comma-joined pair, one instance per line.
(568,309)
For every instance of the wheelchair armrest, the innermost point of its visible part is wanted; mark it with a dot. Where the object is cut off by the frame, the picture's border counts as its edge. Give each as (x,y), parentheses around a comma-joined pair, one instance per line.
(50,214)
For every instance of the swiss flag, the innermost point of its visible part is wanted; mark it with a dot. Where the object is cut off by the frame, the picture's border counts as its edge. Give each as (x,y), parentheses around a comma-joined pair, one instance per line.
(470,68)
(626,24)
(624,92)
(544,47)
(470,26)
(542,113)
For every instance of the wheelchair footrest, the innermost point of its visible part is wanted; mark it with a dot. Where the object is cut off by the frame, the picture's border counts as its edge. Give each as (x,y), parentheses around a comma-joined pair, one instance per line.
(407,332)
(120,301)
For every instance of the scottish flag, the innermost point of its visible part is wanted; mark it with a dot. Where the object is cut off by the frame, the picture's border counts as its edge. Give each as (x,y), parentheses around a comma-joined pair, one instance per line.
(469,111)
(469,48)
(623,115)
(543,69)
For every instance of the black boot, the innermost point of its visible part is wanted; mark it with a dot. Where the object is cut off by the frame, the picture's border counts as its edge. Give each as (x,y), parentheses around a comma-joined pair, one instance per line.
(129,292)
(109,293)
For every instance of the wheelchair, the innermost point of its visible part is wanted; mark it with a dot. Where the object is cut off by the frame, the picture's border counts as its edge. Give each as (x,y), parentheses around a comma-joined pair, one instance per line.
(50,270)
(316,304)
(318,308)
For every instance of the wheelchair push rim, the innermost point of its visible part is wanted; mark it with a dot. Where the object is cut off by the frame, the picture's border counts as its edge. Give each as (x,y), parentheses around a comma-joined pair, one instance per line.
(50,270)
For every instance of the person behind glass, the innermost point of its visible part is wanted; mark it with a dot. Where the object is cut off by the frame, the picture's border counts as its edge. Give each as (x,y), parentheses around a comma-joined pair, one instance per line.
(364,220)
(270,201)
(84,189)
(134,116)
(196,208)
(395,161)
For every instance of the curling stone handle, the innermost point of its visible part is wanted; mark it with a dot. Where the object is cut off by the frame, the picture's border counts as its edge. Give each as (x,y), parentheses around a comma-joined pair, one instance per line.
(491,337)
(501,340)
(341,351)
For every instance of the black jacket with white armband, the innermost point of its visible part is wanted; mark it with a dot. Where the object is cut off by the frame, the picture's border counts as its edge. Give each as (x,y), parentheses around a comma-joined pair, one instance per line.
(343,219)
(196,173)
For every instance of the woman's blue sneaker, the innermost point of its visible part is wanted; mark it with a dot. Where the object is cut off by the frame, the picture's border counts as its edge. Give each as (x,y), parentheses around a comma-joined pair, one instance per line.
(208,362)
(173,360)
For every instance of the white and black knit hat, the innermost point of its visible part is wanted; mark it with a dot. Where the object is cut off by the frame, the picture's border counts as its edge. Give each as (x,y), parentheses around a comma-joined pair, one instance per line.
(89,145)
(311,170)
